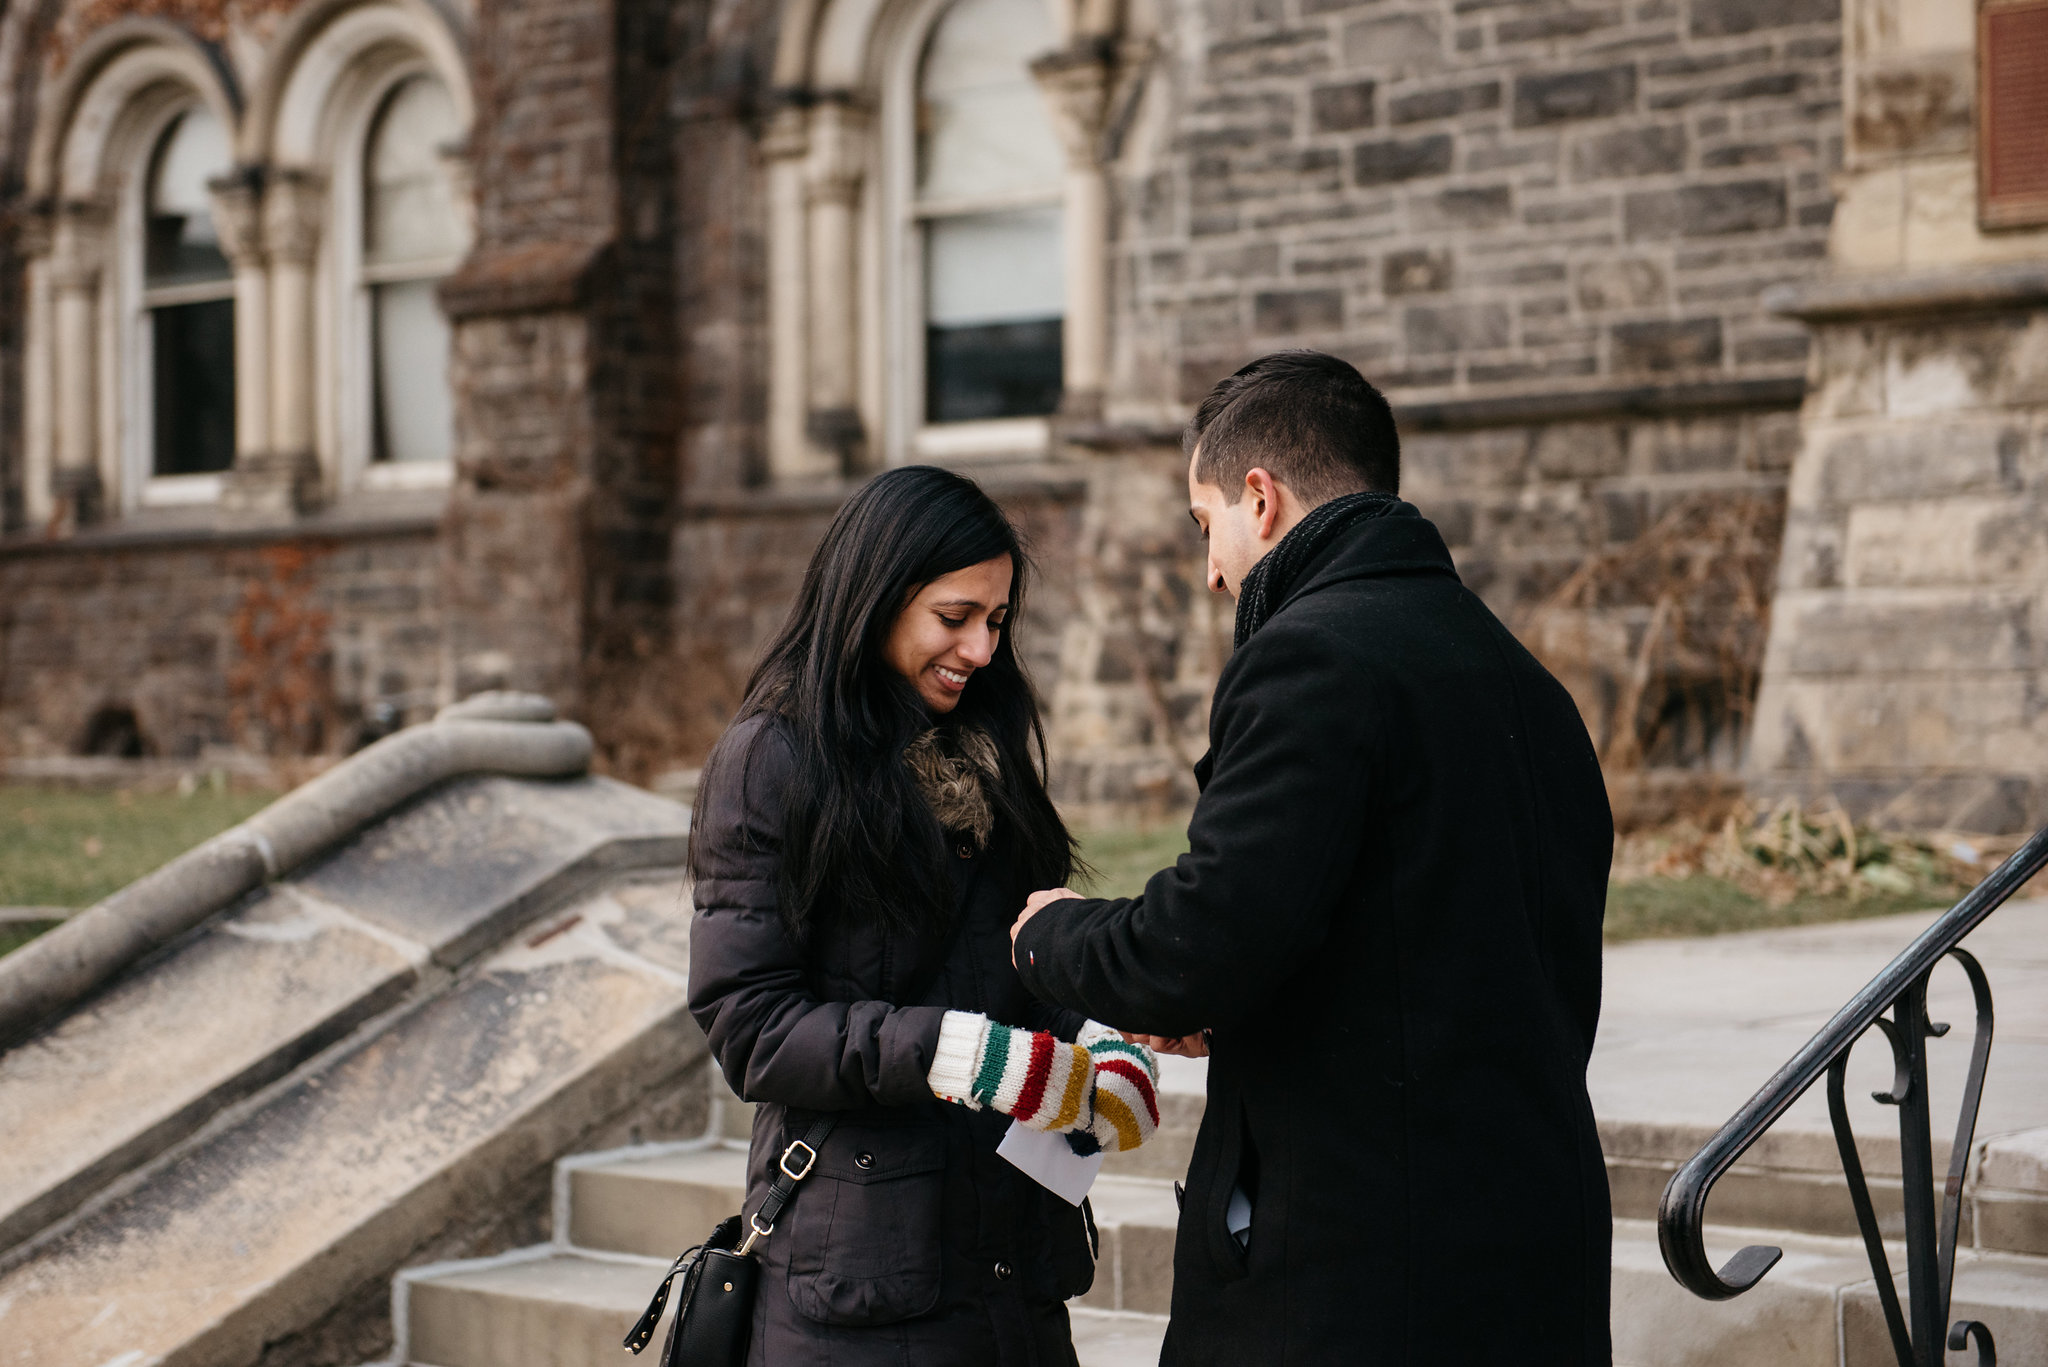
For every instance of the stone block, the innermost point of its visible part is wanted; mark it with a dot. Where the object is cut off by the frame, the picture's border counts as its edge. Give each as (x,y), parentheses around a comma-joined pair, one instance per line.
(1689,446)
(2005,1293)
(1565,96)
(438,1123)
(1787,1320)
(1579,450)
(1919,105)
(439,875)
(1342,108)
(1286,313)
(1619,283)
(1398,159)
(1719,18)
(1395,45)
(1657,345)
(1710,210)
(1447,103)
(1421,271)
(1456,327)
(1859,465)
(1887,633)
(281,978)
(1653,150)
(653,1201)
(1951,542)
(1482,206)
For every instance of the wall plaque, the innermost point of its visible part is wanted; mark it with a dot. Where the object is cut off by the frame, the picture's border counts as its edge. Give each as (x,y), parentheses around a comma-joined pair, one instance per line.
(2012,113)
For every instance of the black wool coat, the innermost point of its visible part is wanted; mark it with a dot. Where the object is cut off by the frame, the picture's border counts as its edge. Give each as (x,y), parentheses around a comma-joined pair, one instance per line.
(1390,919)
(912,1244)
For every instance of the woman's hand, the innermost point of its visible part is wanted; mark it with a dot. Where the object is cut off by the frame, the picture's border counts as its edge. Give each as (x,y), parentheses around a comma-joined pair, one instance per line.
(1187,1046)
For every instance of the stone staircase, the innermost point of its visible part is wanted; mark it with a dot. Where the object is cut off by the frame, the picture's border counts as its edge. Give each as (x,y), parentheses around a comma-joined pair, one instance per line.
(620,1215)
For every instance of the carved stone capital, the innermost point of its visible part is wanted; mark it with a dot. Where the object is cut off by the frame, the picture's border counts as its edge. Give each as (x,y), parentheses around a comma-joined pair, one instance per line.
(35,228)
(1077,82)
(238,216)
(78,243)
(293,206)
(787,136)
(838,139)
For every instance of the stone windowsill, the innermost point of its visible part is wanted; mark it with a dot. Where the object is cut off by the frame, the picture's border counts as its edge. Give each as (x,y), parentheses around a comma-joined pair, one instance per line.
(1973,289)
(397,512)
(1045,479)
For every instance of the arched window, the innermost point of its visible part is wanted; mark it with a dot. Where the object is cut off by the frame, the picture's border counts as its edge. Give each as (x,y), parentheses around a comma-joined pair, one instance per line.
(414,232)
(988,204)
(188,299)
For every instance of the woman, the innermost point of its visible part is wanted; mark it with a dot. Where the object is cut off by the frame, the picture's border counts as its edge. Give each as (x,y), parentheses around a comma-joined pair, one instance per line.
(866,831)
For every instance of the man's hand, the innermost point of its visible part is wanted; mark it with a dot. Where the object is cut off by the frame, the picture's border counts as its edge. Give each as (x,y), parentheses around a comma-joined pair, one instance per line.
(1034,904)
(1187,1046)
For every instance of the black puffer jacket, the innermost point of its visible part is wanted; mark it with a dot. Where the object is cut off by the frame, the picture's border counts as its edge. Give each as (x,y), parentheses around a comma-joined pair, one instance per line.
(912,1243)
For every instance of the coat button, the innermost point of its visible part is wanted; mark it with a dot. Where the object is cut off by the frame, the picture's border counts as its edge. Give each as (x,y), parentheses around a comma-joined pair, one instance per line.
(1002,1272)
(863,1161)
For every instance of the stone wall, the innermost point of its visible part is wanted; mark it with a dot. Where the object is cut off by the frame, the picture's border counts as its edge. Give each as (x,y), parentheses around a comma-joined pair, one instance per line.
(209,641)
(1467,198)
(1908,668)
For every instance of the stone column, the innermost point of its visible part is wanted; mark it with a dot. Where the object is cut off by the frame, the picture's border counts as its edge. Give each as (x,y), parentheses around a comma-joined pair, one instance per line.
(238,218)
(78,251)
(833,422)
(1077,82)
(791,457)
(292,206)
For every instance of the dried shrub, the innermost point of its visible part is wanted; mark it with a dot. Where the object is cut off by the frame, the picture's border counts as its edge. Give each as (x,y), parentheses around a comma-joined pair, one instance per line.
(1786,851)
(281,685)
(1661,639)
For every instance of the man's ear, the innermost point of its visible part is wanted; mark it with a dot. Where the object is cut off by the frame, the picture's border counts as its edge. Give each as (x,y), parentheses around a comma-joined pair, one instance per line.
(1260,485)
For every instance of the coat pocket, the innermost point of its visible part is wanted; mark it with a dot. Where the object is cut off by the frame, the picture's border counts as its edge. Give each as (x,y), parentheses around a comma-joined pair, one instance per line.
(864,1232)
(1213,1173)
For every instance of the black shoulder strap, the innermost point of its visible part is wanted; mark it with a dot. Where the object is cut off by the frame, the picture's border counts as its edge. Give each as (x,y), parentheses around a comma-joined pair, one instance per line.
(793,1167)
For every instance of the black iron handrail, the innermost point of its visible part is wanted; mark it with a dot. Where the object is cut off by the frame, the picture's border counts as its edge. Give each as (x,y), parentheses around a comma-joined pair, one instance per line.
(1917,1332)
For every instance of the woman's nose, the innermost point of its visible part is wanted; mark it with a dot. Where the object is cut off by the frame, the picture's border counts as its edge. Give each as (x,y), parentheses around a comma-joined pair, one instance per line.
(979,648)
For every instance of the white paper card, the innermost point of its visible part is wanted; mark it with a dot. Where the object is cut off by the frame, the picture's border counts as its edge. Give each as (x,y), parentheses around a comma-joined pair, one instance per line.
(1047,1159)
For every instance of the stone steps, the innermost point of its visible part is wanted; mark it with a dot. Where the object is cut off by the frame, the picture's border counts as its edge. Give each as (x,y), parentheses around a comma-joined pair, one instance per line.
(566,1304)
(372,1061)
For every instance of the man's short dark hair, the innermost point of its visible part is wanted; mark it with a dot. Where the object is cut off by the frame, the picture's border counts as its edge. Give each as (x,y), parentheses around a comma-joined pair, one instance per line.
(1309,419)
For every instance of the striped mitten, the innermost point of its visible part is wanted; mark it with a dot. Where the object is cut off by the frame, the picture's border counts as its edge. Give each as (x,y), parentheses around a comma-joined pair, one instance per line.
(1031,1076)
(1126,1100)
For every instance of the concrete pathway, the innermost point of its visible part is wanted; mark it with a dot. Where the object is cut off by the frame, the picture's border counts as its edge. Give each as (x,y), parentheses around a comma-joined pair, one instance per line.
(1690,1029)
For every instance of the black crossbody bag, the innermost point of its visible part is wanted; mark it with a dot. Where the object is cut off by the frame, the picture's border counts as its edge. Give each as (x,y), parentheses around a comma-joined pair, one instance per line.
(715,1308)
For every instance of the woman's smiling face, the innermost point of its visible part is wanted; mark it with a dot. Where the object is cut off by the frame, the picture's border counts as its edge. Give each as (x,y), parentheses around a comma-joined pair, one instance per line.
(949,629)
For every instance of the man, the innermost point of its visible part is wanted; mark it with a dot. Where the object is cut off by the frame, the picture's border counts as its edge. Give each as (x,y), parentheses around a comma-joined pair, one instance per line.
(1386,929)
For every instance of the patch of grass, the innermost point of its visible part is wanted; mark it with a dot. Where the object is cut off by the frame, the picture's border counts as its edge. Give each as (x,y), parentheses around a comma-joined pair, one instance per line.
(67,847)
(1123,857)
(1700,904)
(15,934)
(1640,908)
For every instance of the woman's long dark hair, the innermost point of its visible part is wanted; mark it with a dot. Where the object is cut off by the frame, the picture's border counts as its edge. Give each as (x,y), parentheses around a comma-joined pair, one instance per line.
(860,846)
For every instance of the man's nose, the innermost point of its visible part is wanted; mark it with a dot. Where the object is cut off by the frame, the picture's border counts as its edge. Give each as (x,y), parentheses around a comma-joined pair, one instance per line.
(1216,584)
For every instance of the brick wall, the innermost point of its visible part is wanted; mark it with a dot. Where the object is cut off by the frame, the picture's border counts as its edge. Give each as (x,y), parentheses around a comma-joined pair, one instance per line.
(152,629)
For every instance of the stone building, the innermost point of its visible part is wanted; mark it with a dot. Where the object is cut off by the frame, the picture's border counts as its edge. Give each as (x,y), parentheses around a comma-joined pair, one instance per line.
(358,353)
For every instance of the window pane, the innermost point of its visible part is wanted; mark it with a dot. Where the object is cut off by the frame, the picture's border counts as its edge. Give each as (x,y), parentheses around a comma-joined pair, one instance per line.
(993,304)
(986,268)
(181,244)
(410,207)
(984,127)
(415,419)
(193,349)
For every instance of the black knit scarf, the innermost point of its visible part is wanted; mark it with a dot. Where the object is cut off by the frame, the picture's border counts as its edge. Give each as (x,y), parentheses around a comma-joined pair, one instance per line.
(1270,581)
